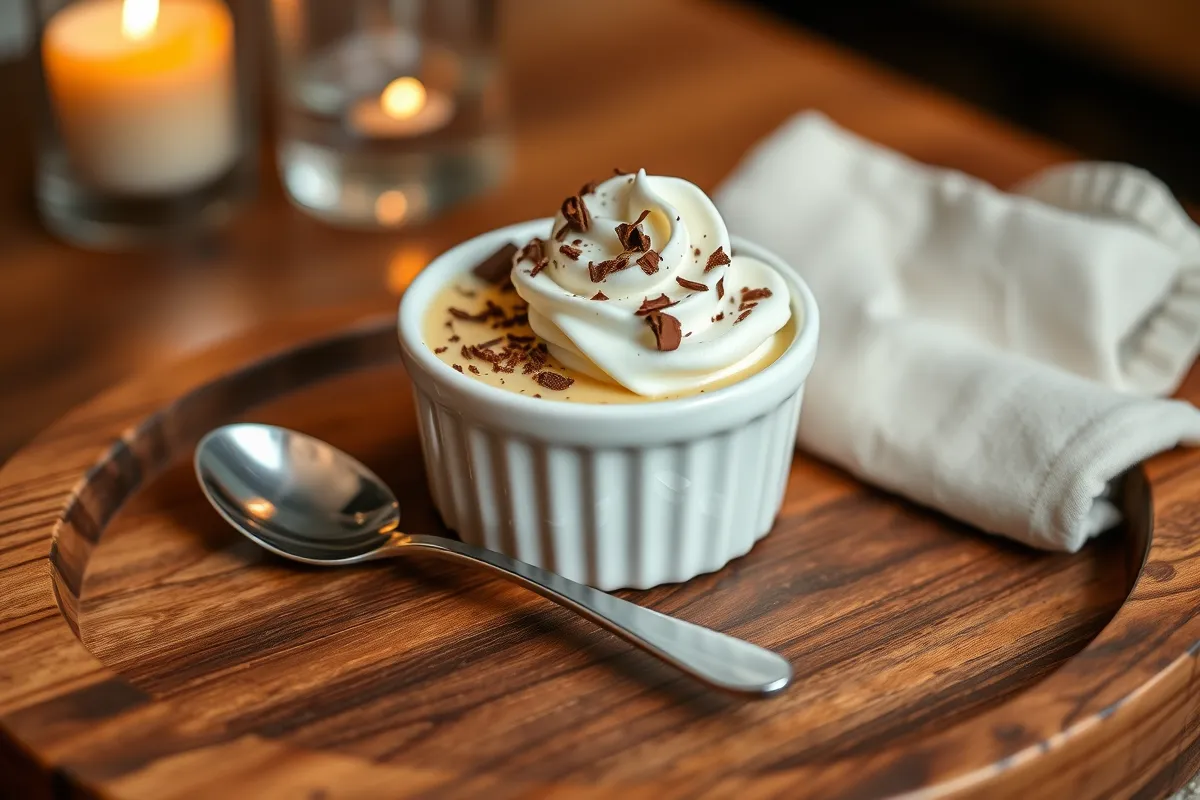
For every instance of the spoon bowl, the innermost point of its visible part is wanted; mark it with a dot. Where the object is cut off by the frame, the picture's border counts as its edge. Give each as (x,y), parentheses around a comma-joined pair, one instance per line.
(296,496)
(305,500)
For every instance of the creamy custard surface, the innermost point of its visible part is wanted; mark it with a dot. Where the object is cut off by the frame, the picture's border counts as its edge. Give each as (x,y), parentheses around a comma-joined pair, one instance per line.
(482,330)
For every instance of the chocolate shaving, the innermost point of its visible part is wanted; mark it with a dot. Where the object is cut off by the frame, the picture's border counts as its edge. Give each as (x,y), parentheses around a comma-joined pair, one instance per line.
(649,262)
(721,288)
(588,188)
(695,251)
(746,305)
(486,355)
(440,350)
(457,367)
(750,295)
(465,352)
(599,296)
(717,259)
(598,271)
(632,237)
(497,266)
(518,338)
(537,357)
(535,251)
(695,286)
(490,311)
(666,329)
(474,369)
(575,212)
(454,338)
(511,322)
(561,233)
(570,252)
(657,304)
(743,315)
(491,342)
(719,317)
(554,381)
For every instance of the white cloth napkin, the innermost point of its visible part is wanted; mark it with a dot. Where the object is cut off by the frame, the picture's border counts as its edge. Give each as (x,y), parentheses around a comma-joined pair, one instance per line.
(993,355)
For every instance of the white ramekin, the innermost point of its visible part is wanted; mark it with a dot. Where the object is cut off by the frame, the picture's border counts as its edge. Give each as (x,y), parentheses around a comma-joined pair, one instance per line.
(614,496)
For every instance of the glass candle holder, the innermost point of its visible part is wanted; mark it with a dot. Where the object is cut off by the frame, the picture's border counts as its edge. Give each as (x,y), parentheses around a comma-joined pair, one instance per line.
(390,110)
(146,113)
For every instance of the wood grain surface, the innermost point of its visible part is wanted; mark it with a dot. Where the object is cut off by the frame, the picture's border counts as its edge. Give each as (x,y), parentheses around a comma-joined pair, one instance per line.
(147,653)
(165,656)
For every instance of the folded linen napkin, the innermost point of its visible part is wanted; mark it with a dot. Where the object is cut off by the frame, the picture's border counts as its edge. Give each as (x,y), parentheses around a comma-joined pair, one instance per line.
(993,355)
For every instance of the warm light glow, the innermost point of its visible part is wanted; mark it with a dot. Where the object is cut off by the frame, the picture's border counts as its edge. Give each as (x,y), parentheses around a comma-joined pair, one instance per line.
(139,18)
(404,266)
(261,507)
(391,207)
(403,98)
(289,21)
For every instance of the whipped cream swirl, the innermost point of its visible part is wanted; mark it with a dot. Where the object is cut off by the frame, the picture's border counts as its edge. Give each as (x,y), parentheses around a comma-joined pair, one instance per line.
(595,287)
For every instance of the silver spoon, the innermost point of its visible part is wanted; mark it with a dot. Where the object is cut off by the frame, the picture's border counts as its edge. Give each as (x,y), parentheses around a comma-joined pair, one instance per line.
(305,500)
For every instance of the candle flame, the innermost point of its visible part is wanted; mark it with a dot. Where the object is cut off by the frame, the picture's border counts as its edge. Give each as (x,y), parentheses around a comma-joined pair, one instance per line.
(139,18)
(402,98)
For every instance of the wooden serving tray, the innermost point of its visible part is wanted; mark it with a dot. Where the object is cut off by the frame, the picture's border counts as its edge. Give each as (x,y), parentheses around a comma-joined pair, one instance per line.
(146,650)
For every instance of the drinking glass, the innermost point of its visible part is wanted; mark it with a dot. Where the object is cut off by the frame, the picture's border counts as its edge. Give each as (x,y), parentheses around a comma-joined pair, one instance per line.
(389,110)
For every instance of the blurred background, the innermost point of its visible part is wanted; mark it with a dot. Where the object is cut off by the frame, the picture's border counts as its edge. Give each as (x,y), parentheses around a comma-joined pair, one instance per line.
(1112,79)
(1108,79)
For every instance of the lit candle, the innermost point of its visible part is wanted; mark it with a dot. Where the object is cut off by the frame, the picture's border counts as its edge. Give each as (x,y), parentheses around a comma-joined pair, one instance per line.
(404,109)
(144,96)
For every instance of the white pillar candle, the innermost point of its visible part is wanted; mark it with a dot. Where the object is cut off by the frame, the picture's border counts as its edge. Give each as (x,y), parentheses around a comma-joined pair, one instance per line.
(144,95)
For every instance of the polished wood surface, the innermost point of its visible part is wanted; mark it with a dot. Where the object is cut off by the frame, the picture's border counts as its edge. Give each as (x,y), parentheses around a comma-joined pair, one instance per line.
(161,655)
(165,658)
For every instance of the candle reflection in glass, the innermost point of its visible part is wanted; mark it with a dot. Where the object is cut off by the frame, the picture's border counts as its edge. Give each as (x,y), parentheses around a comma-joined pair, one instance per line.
(403,109)
(392,111)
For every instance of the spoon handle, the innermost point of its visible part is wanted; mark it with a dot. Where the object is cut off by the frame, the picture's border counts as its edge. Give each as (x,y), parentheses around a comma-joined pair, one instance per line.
(716,659)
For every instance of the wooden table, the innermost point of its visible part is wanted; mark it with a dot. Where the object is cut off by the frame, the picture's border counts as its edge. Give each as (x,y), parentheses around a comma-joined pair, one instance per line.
(705,81)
